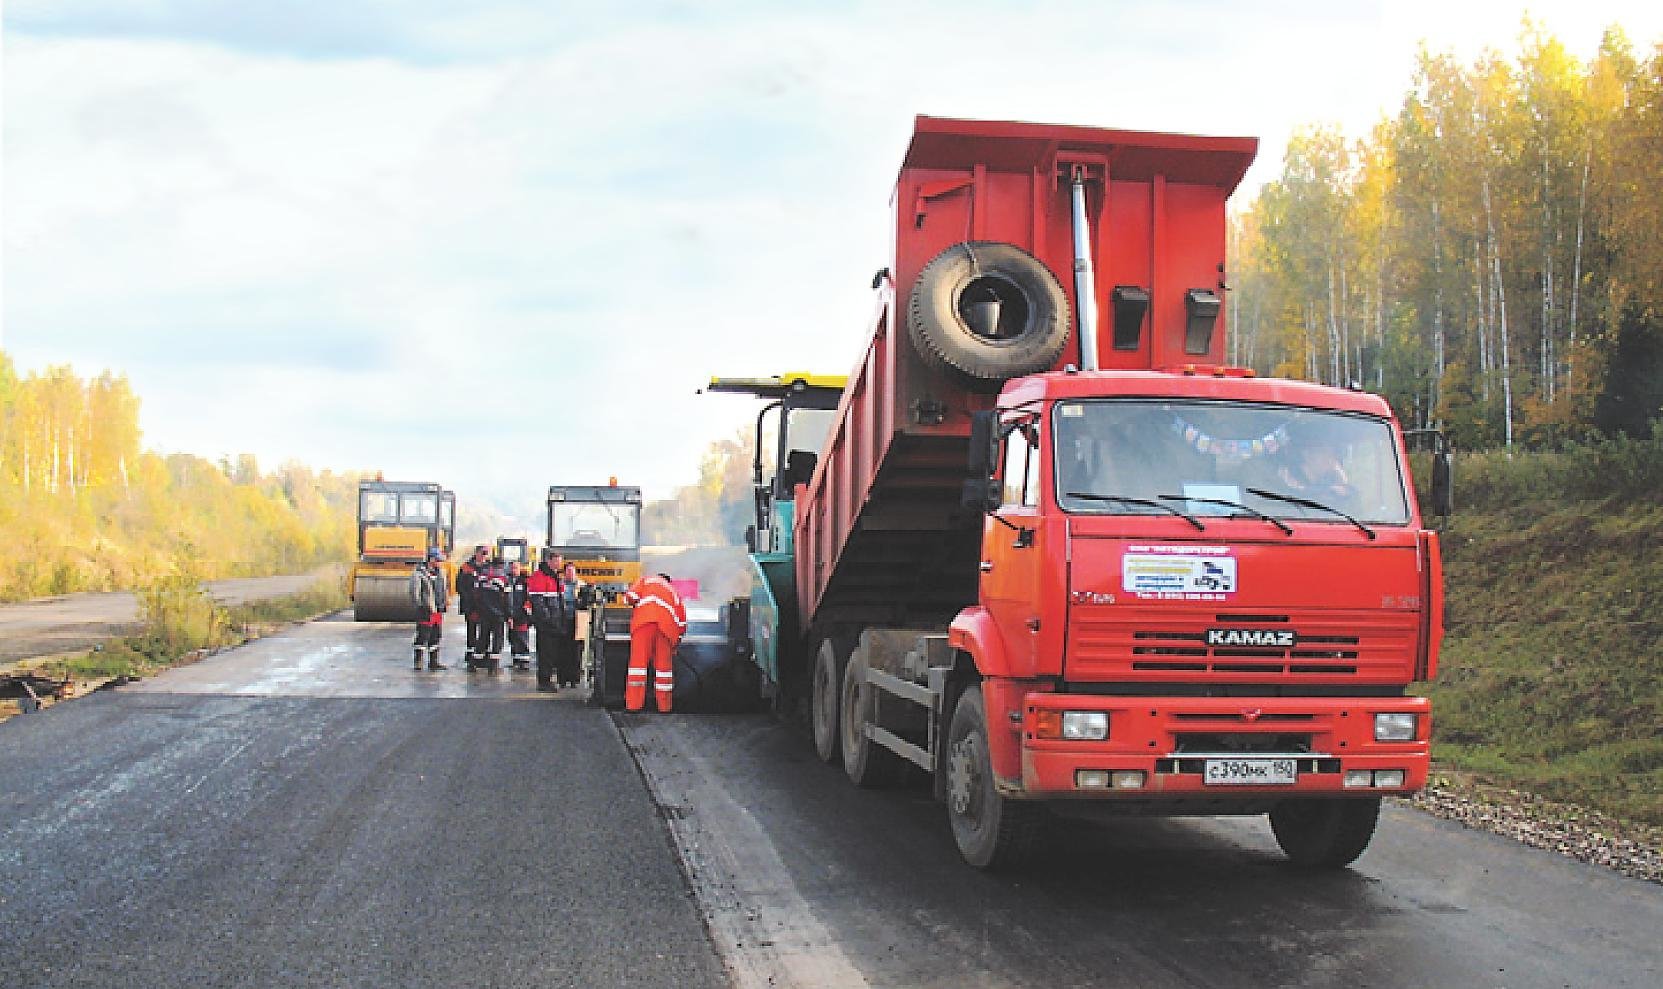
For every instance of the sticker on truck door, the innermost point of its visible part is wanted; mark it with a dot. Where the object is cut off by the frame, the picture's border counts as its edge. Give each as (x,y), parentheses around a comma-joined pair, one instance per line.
(1178,573)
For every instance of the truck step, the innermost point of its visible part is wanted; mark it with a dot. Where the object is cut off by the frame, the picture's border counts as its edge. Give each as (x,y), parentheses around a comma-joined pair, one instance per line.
(901,747)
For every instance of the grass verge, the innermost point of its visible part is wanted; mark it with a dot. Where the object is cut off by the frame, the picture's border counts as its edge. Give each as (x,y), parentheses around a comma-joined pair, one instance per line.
(1551,678)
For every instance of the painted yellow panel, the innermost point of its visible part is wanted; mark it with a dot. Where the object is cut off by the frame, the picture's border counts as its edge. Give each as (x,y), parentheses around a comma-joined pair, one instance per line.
(395,541)
(607,571)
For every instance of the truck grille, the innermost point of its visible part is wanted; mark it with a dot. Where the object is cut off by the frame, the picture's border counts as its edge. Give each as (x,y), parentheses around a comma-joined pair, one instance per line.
(1164,642)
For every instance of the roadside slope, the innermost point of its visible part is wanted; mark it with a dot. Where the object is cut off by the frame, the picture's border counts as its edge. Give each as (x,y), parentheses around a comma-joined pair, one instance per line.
(1551,678)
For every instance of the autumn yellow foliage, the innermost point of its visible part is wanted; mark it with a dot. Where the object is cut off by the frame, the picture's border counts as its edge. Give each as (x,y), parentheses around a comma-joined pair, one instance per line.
(1488,257)
(83,507)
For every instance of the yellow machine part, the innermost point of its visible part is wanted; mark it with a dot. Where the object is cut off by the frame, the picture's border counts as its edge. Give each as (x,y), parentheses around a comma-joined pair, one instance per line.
(607,572)
(394,542)
(380,592)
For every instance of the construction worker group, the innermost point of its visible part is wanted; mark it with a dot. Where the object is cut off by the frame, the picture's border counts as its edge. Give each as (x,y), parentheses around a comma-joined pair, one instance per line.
(503,606)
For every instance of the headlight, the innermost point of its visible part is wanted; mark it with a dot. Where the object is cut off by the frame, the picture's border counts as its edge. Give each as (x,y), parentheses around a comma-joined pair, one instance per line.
(1089,726)
(1395,727)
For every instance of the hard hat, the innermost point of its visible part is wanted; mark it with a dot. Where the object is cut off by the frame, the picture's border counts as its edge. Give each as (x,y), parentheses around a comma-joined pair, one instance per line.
(435,553)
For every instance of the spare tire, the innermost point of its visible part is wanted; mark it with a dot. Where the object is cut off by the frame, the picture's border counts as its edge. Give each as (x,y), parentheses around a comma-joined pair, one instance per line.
(989,311)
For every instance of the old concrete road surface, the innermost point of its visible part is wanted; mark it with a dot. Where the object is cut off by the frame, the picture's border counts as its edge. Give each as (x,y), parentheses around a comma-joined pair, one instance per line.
(808,881)
(306,811)
(79,621)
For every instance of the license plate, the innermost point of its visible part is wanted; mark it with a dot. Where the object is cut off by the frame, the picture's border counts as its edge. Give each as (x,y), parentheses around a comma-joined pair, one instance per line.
(1250,772)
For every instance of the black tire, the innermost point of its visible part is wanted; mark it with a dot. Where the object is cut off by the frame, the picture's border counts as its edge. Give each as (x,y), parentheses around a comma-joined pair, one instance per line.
(825,699)
(991,832)
(867,763)
(1030,320)
(1324,834)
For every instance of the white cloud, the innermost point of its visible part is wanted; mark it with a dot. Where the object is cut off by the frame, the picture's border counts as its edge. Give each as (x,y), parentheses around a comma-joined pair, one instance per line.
(386,236)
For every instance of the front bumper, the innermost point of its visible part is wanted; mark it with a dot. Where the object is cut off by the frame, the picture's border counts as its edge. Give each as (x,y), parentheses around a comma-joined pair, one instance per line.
(1170,739)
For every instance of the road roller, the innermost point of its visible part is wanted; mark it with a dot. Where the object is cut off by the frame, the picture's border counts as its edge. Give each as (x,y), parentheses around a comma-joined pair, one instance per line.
(598,528)
(398,521)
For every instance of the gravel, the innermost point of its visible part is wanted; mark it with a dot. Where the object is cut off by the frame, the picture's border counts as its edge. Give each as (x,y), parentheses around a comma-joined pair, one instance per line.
(1631,848)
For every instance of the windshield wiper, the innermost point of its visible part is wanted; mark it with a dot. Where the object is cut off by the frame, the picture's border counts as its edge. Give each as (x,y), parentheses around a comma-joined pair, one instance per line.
(1249,509)
(1308,503)
(1123,500)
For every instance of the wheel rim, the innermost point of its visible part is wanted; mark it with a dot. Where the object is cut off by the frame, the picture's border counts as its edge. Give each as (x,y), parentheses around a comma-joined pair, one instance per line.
(853,720)
(964,782)
(825,700)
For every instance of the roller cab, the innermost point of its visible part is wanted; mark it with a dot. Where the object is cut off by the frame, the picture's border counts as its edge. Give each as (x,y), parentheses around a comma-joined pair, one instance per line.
(398,522)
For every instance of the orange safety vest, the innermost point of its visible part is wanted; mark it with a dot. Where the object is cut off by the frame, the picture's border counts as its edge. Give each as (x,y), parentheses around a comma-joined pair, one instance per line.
(657,603)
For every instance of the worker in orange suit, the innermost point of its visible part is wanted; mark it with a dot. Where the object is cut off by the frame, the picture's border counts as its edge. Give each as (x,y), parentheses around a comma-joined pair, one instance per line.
(655,627)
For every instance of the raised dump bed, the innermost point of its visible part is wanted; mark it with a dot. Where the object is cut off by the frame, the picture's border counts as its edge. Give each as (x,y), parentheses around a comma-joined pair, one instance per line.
(981,289)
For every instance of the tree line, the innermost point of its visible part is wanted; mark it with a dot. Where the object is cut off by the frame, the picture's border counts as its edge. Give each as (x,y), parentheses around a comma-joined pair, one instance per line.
(84,507)
(715,509)
(1488,258)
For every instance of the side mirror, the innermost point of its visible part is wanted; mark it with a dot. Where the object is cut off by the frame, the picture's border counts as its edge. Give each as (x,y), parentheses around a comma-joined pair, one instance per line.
(981,491)
(1442,493)
(1443,483)
(750,539)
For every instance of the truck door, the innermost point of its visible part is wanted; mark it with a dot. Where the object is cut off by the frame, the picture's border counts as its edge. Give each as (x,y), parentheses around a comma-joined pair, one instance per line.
(1011,551)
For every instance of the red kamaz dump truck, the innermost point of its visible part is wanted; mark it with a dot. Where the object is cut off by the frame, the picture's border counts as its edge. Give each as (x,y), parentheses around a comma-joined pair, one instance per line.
(1069,568)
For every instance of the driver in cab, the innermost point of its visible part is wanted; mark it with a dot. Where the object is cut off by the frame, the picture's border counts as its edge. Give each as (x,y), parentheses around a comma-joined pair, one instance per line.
(1317,472)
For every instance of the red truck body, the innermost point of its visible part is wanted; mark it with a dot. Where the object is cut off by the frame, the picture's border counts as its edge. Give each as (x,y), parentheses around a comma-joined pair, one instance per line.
(892,470)
(1258,641)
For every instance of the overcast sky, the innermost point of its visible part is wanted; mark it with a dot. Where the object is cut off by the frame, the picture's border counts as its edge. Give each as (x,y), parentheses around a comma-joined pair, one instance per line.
(499,244)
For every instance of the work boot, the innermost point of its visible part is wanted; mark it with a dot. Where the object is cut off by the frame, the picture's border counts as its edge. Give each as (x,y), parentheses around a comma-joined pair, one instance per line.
(545,687)
(433,661)
(419,651)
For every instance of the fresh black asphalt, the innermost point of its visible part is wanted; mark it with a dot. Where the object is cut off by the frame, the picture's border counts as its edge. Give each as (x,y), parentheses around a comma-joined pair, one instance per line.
(156,839)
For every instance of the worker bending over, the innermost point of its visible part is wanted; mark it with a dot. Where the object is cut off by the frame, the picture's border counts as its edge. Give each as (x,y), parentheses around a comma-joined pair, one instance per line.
(655,628)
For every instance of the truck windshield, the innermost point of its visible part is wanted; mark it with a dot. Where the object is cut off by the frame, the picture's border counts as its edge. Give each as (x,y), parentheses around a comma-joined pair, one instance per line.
(603,525)
(1210,454)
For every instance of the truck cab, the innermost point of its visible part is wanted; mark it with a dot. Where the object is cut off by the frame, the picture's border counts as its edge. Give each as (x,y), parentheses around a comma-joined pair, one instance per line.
(1201,592)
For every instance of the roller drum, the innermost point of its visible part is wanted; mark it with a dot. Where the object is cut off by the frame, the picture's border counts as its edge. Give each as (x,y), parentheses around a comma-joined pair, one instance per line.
(379,597)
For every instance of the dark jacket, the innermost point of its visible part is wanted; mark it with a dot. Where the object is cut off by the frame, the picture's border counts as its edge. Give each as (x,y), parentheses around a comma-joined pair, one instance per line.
(490,593)
(519,599)
(553,606)
(466,577)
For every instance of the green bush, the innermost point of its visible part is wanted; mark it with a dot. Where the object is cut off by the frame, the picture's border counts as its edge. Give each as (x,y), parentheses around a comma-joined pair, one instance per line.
(179,617)
(1619,468)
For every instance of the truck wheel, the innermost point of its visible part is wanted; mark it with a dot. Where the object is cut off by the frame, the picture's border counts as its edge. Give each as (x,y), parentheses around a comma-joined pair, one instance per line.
(991,831)
(824,701)
(1324,834)
(868,764)
(990,311)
